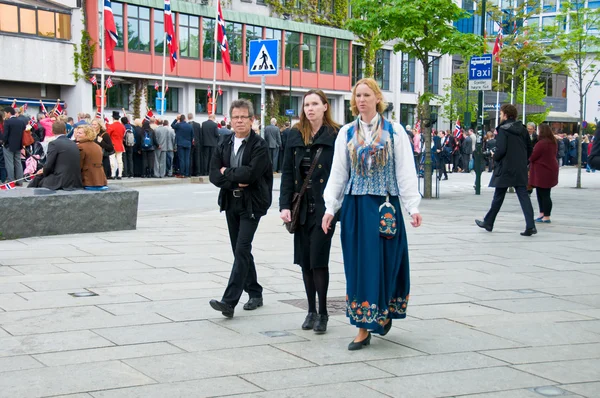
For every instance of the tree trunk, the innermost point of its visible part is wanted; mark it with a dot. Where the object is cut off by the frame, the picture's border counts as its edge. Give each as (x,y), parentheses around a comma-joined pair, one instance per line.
(426,131)
(369,70)
(579,136)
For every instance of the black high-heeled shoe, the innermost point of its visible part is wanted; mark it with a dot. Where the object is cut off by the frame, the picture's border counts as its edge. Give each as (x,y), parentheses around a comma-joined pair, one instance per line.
(357,345)
(387,327)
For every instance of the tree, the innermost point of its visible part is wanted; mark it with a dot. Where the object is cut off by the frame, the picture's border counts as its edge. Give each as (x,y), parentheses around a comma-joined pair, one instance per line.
(576,42)
(368,30)
(423,30)
(535,92)
(454,100)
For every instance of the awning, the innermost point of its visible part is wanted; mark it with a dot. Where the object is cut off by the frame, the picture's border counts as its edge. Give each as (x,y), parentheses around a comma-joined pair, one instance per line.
(564,117)
(48,102)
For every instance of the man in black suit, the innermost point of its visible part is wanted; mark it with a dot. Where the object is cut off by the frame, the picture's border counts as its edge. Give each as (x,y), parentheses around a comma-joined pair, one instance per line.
(62,169)
(531,130)
(210,138)
(184,136)
(242,169)
(197,161)
(467,150)
(12,144)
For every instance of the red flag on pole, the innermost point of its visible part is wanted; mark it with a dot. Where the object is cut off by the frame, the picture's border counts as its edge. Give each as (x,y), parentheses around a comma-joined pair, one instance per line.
(14,104)
(98,114)
(149,115)
(457,131)
(111,37)
(58,110)
(93,80)
(170,31)
(220,91)
(222,40)
(209,92)
(497,46)
(156,86)
(109,82)
(43,109)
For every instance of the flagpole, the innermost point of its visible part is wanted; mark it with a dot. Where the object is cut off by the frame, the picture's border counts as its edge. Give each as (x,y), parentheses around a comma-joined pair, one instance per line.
(214,89)
(103,57)
(162,103)
(524,92)
(512,87)
(498,97)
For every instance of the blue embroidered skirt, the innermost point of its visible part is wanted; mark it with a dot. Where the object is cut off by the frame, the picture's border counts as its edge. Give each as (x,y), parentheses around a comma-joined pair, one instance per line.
(377,271)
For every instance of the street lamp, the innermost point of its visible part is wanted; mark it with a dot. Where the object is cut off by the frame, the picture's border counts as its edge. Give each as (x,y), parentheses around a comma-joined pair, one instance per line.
(303,47)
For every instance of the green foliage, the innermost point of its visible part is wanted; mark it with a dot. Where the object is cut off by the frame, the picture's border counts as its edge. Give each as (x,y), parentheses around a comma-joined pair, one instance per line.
(300,10)
(535,92)
(454,101)
(590,129)
(84,58)
(272,103)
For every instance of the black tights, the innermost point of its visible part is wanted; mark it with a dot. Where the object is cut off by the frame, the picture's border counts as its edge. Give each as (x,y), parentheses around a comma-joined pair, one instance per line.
(316,281)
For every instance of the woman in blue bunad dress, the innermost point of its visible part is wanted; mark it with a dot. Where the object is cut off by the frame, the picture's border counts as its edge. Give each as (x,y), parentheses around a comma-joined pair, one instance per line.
(373,170)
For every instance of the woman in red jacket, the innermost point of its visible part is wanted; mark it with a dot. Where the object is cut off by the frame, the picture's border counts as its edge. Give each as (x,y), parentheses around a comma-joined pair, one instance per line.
(543,170)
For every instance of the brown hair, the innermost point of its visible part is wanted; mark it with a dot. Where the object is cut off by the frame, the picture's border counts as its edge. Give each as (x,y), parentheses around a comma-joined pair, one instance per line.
(545,133)
(304,125)
(509,110)
(59,128)
(372,84)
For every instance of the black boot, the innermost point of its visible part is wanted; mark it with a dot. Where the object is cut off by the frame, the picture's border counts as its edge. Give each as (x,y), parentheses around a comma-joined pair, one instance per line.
(321,324)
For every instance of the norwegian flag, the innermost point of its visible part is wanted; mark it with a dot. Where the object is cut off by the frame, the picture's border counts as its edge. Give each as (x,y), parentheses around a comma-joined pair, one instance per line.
(33,122)
(98,114)
(58,110)
(156,86)
(43,109)
(8,185)
(14,104)
(220,91)
(498,46)
(222,39)
(209,92)
(109,82)
(457,130)
(149,115)
(93,80)
(111,37)
(170,31)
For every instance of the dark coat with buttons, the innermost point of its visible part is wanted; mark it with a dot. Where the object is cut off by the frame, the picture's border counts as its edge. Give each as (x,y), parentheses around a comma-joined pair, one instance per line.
(291,178)
(513,148)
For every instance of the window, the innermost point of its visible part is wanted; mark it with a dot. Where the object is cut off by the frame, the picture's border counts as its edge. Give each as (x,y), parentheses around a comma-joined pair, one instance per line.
(467,5)
(549,5)
(188,36)
(208,36)
(138,28)
(63,26)
(326,57)
(348,117)
(46,24)
(322,6)
(382,68)
(341,57)
(117,97)
(31,21)
(159,31)
(234,39)
(593,4)
(284,104)
(117,9)
(9,19)
(408,74)
(202,102)
(433,79)
(309,57)
(252,33)
(407,114)
(255,99)
(172,96)
(292,42)
(357,63)
(28,21)
(275,34)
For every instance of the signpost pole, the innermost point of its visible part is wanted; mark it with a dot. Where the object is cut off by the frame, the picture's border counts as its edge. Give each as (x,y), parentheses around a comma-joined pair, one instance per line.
(478,161)
(262,106)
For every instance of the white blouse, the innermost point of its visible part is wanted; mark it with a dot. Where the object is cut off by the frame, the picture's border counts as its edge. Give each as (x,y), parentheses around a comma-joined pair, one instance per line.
(406,174)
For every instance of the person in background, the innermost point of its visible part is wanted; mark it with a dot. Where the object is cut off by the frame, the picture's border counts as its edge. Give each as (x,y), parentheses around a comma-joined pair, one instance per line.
(69,126)
(373,167)
(467,151)
(210,140)
(148,145)
(2,165)
(224,132)
(531,130)
(170,149)
(12,138)
(417,148)
(161,133)
(594,155)
(129,145)
(196,164)
(273,139)
(489,147)
(184,135)
(90,155)
(315,133)
(543,170)
(116,132)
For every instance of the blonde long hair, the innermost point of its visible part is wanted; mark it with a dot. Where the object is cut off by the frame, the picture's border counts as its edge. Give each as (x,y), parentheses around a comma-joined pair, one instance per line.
(372,84)
(304,124)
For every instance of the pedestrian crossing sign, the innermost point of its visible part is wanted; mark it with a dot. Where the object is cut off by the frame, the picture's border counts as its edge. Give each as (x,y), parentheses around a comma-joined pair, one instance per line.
(264,58)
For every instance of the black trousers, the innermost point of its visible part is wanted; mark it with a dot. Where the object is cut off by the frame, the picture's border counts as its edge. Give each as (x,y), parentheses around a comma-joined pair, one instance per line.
(241,233)
(544,200)
(147,163)
(207,152)
(465,161)
(128,162)
(524,200)
(106,166)
(197,161)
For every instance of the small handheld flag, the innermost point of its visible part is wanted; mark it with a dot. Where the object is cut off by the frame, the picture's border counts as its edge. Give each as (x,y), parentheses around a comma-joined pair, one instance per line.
(93,80)
(149,115)
(457,130)
(220,91)
(109,82)
(209,92)
(156,86)
(43,109)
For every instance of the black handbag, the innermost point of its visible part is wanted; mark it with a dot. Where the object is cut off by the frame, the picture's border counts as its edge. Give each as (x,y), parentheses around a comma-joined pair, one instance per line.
(297,198)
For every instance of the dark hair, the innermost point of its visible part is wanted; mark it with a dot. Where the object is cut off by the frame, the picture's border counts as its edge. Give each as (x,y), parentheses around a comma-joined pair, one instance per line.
(59,128)
(509,110)
(69,119)
(242,104)
(545,133)
(124,120)
(304,125)
(9,109)
(182,118)
(223,123)
(146,125)
(165,122)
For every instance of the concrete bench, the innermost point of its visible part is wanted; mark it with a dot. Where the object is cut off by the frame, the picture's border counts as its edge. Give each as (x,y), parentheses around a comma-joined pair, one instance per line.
(27,212)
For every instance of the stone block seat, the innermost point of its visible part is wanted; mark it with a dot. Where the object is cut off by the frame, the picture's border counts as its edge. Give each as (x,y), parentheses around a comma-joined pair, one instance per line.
(27,212)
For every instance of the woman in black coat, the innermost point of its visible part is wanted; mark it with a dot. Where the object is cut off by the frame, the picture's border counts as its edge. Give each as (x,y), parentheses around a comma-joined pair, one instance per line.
(315,132)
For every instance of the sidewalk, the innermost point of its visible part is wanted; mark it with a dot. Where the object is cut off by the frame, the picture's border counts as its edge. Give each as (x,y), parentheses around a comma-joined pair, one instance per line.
(492,315)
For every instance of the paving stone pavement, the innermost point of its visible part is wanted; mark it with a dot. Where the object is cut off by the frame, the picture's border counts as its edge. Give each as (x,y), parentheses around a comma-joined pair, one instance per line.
(492,315)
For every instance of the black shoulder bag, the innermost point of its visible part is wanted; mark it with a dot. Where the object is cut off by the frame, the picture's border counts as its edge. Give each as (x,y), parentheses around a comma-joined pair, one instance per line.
(297,198)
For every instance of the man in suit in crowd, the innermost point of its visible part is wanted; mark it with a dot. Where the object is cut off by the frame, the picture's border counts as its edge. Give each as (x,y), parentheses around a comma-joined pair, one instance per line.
(513,148)
(62,169)
(531,130)
(12,144)
(242,169)
(467,151)
(196,167)
(224,132)
(184,135)
(273,138)
(160,154)
(210,139)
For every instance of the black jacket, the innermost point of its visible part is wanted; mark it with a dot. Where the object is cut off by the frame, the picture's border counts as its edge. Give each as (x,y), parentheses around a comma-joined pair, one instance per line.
(467,145)
(256,170)
(210,133)
(594,158)
(106,143)
(13,134)
(513,148)
(184,134)
(197,128)
(62,168)
(291,178)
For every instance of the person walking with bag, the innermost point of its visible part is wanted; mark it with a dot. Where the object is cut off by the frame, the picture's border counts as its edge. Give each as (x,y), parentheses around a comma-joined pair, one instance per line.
(373,171)
(543,170)
(307,161)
